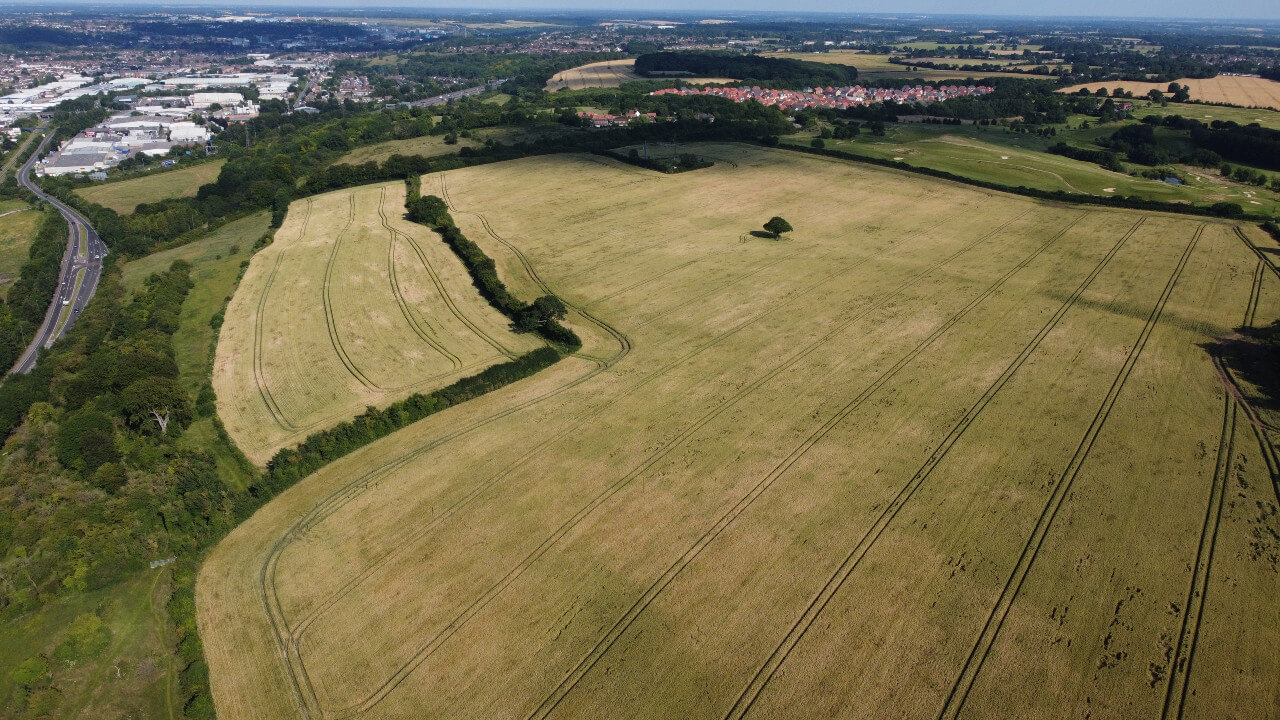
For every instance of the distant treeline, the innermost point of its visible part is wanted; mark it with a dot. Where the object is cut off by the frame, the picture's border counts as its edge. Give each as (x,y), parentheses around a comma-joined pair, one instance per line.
(777,72)
(1257,146)
(749,128)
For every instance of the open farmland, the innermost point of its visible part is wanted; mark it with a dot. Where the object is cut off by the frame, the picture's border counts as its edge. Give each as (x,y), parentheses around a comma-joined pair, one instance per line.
(351,306)
(1019,160)
(873,66)
(607,73)
(1208,113)
(1252,92)
(899,464)
(125,195)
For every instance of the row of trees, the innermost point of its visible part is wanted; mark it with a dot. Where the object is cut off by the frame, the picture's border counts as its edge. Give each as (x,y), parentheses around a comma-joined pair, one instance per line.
(541,316)
(319,449)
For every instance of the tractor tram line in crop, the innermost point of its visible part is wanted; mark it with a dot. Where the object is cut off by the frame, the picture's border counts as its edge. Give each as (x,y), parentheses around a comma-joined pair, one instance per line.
(956,698)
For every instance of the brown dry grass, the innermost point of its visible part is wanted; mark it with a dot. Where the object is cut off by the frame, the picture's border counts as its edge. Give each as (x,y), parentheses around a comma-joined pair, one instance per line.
(838,451)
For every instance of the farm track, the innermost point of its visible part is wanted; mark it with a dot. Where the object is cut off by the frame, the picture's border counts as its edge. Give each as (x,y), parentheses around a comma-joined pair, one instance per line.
(1261,429)
(423,333)
(742,705)
(404,544)
(259,373)
(624,342)
(1180,668)
(329,318)
(955,700)
(665,449)
(646,281)
(1262,255)
(449,303)
(339,497)
(1184,653)
(419,327)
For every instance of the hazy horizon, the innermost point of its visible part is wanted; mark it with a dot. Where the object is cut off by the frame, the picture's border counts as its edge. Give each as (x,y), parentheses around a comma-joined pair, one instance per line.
(1224,10)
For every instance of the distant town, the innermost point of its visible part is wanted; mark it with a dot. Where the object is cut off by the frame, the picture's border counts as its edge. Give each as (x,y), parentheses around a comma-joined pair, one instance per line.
(838,98)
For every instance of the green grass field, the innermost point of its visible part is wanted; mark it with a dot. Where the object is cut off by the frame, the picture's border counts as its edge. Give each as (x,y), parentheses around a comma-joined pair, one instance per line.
(1209,113)
(994,155)
(898,464)
(129,678)
(216,259)
(18,227)
(124,196)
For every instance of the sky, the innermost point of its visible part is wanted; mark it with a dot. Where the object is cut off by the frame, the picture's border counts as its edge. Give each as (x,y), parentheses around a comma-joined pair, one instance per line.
(1213,9)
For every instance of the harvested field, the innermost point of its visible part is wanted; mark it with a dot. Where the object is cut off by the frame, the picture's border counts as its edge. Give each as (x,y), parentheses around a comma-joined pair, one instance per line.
(351,306)
(125,195)
(608,73)
(1231,89)
(941,452)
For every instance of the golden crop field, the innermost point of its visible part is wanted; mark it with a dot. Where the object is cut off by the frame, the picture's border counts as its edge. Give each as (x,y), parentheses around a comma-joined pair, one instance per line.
(1232,89)
(125,195)
(352,305)
(607,73)
(940,452)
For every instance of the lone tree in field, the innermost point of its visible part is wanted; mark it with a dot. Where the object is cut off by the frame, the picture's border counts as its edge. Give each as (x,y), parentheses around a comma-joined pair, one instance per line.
(777,226)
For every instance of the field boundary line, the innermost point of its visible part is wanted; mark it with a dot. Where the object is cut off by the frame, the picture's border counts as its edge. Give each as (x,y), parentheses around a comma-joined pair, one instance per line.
(661,452)
(330,320)
(416,324)
(747,698)
(959,693)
